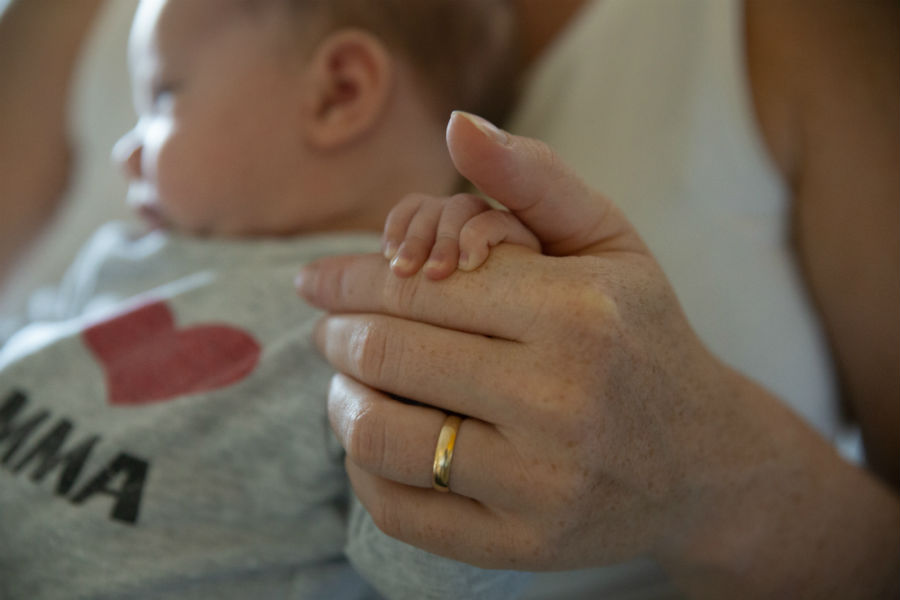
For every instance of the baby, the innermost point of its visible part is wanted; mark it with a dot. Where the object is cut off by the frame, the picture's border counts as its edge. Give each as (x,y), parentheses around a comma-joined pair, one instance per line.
(163,433)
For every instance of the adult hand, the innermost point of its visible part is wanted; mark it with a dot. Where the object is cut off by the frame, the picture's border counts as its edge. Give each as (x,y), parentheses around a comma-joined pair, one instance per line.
(599,427)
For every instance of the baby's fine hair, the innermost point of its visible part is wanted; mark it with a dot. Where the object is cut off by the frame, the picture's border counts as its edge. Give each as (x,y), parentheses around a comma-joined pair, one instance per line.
(465,52)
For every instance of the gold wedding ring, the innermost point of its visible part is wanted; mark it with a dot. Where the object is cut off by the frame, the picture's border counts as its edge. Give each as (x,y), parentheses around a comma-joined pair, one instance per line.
(443,453)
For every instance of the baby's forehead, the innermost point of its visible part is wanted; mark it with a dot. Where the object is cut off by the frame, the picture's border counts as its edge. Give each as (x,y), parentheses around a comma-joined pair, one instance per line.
(177,25)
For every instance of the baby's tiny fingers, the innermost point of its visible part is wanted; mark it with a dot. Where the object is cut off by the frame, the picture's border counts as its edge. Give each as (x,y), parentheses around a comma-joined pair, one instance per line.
(419,238)
(443,258)
(487,230)
(398,221)
(458,210)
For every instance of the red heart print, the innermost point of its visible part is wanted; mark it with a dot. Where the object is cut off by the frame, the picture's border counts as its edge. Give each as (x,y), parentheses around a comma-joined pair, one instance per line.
(146,359)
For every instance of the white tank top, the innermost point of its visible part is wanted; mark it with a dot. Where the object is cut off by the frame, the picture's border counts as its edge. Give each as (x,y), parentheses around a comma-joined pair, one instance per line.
(649,101)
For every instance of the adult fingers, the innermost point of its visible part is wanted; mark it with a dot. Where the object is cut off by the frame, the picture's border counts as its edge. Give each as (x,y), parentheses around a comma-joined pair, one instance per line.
(502,293)
(396,441)
(447,369)
(527,177)
(446,524)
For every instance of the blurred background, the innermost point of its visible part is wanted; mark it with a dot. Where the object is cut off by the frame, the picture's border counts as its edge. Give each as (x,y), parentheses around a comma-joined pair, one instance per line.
(100,112)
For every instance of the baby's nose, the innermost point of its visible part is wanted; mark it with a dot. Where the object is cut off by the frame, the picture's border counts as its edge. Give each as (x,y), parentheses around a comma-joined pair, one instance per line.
(126,153)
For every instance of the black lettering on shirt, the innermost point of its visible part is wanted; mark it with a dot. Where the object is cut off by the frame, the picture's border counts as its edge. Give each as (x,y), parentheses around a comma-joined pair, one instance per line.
(122,479)
(128,495)
(48,448)
(15,434)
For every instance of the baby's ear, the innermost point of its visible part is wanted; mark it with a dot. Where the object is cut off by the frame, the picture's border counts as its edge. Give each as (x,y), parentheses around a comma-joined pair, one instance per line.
(351,77)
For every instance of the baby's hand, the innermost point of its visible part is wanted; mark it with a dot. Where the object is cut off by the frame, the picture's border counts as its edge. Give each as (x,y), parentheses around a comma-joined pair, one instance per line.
(446,233)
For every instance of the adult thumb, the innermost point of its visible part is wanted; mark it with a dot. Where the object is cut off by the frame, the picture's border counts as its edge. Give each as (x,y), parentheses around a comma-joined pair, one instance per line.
(527,177)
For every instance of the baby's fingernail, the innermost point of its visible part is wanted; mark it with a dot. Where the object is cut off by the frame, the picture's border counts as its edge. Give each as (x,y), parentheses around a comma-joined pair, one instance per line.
(401,263)
(432,266)
(390,249)
(485,126)
(464,262)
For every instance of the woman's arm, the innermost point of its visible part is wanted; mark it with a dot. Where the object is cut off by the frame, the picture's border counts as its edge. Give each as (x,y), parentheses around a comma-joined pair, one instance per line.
(39,46)
(826,78)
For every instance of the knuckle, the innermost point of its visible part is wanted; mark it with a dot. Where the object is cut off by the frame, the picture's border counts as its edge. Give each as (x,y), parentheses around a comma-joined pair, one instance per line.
(431,204)
(395,217)
(329,285)
(385,516)
(342,284)
(391,521)
(369,352)
(582,304)
(428,205)
(471,232)
(505,219)
(418,242)
(413,200)
(551,164)
(479,228)
(401,296)
(593,300)
(487,221)
(405,208)
(560,403)
(539,152)
(365,440)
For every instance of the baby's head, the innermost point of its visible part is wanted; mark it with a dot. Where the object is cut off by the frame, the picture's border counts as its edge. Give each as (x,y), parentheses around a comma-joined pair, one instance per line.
(274,117)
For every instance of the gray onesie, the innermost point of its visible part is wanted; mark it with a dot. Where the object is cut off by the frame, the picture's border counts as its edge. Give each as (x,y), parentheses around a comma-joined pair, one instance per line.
(166,436)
